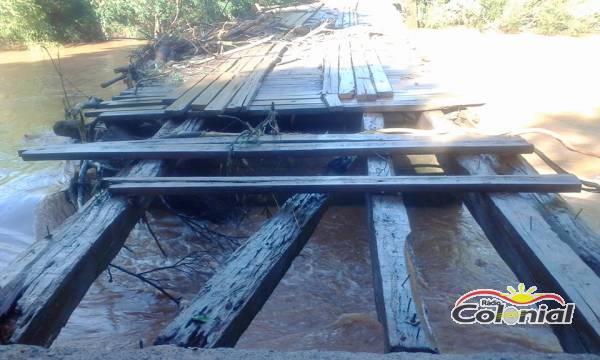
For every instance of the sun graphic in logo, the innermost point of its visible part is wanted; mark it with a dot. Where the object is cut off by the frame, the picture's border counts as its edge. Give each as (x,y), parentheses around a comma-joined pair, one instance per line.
(521,295)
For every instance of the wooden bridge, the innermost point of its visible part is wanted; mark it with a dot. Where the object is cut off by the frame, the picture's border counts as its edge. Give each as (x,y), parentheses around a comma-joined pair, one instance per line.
(357,71)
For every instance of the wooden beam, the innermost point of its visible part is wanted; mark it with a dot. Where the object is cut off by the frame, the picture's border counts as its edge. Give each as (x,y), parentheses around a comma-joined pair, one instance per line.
(226,305)
(483,183)
(298,145)
(517,227)
(134,115)
(390,228)
(41,288)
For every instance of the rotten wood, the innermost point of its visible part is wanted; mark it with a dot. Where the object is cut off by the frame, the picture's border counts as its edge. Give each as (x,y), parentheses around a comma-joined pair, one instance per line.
(389,227)
(43,286)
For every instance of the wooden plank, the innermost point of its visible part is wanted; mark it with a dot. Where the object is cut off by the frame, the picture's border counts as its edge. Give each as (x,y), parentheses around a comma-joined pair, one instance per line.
(203,91)
(248,91)
(215,88)
(96,112)
(235,294)
(282,138)
(240,75)
(129,104)
(40,289)
(346,85)
(184,148)
(116,116)
(534,251)
(331,76)
(484,183)
(365,91)
(389,227)
(176,93)
(380,79)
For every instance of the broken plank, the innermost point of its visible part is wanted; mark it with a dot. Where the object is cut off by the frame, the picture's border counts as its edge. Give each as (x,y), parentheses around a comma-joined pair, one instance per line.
(389,229)
(46,282)
(176,93)
(346,85)
(236,293)
(530,246)
(192,148)
(483,183)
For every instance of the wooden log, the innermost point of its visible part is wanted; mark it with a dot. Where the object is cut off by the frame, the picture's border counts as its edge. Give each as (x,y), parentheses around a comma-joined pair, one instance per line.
(517,228)
(46,282)
(483,183)
(226,305)
(110,82)
(197,149)
(389,226)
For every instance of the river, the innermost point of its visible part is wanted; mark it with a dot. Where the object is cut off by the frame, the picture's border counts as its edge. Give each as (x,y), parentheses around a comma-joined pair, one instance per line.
(325,301)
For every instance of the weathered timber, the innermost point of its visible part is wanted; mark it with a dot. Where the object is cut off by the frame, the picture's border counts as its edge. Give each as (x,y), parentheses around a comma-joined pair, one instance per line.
(483,183)
(241,74)
(389,226)
(516,226)
(96,112)
(248,91)
(331,76)
(113,81)
(132,115)
(346,75)
(236,293)
(127,103)
(362,76)
(292,145)
(380,79)
(204,90)
(46,282)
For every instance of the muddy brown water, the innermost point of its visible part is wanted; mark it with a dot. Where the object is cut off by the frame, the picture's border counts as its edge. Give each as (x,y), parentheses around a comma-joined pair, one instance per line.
(325,301)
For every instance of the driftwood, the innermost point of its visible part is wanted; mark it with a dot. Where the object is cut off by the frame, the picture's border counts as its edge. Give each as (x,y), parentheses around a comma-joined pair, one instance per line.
(389,226)
(516,225)
(226,305)
(43,286)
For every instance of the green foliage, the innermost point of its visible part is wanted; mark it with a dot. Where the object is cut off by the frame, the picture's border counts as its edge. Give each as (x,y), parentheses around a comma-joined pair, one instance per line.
(24,21)
(542,16)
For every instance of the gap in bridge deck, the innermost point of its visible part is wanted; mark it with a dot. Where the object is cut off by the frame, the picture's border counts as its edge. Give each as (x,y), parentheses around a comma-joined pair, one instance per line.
(325,301)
